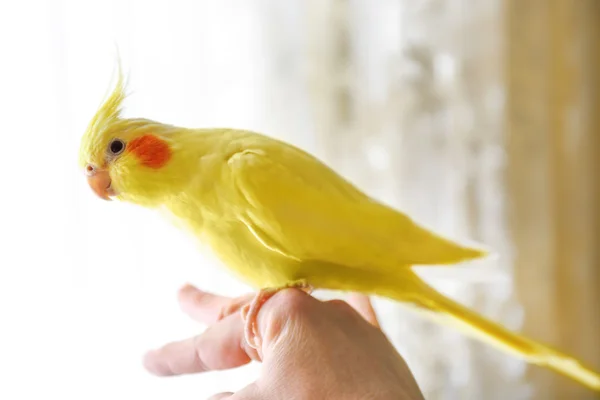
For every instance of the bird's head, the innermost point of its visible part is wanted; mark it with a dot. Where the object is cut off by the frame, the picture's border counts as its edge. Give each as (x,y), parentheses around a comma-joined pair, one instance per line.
(134,160)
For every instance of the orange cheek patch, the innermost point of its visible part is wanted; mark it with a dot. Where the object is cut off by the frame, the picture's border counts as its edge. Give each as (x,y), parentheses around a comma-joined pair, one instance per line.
(150,150)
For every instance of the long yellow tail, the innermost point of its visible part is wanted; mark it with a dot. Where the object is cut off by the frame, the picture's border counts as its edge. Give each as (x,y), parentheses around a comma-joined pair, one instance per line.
(447,311)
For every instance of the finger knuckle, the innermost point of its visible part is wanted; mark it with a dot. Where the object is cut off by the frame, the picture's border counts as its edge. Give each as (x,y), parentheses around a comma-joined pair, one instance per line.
(226,311)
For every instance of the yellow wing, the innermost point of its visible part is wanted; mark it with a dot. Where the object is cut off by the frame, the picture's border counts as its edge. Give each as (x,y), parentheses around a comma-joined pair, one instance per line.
(298,207)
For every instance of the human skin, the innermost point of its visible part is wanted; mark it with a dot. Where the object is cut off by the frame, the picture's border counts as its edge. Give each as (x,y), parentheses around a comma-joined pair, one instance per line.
(309,349)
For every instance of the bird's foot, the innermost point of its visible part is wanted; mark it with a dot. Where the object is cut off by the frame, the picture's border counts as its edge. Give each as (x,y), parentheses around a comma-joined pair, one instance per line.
(250,311)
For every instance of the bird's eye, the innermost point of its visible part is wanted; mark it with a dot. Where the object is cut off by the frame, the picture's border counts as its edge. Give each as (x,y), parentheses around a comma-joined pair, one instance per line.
(116,147)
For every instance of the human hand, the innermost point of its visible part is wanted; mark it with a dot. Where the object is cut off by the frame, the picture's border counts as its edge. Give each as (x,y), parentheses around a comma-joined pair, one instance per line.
(309,349)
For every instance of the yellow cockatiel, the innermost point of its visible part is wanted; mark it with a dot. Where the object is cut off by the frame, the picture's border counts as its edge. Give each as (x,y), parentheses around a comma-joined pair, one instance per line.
(278,217)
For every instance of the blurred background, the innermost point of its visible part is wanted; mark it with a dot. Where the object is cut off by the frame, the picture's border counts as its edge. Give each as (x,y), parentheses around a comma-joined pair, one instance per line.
(481,119)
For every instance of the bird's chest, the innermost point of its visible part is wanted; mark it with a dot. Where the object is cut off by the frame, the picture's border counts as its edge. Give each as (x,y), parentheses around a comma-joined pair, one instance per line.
(243,254)
(211,216)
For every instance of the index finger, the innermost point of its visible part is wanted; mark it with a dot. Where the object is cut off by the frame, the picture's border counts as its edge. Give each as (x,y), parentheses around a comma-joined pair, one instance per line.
(220,347)
(223,345)
(206,307)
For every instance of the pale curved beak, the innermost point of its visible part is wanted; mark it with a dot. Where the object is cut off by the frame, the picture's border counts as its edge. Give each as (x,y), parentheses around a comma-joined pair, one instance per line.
(100,183)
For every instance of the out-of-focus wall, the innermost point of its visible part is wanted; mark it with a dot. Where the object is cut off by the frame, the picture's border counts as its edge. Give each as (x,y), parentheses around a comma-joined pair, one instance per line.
(552,141)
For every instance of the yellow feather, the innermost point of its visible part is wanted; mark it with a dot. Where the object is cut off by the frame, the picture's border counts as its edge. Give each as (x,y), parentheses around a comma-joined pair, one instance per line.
(276,215)
(95,138)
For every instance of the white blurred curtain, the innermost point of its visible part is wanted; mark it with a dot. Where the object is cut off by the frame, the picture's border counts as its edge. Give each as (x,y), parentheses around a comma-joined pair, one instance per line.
(86,287)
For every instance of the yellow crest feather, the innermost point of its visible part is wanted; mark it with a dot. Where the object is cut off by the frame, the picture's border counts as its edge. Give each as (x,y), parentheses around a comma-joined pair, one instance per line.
(92,143)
